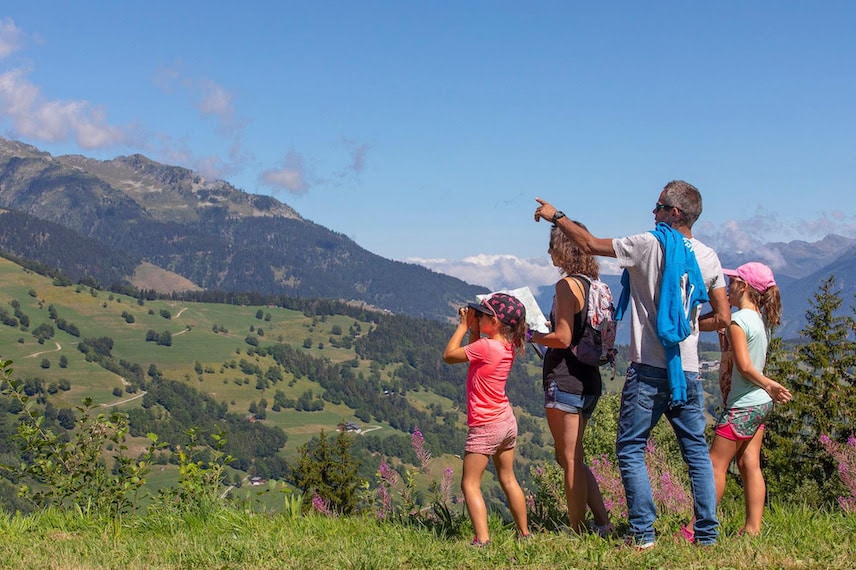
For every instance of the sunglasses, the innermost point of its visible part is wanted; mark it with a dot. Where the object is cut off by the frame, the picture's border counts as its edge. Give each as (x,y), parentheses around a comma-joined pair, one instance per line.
(660,206)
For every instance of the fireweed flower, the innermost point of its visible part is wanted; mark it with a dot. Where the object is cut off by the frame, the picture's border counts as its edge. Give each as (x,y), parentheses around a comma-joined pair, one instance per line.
(668,489)
(387,474)
(321,505)
(845,456)
(609,481)
(418,443)
(446,484)
(385,499)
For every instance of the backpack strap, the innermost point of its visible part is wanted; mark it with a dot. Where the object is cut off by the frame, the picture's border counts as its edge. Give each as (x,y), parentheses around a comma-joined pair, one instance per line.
(584,283)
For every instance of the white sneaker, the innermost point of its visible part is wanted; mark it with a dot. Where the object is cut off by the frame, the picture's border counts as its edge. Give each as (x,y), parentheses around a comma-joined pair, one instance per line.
(631,542)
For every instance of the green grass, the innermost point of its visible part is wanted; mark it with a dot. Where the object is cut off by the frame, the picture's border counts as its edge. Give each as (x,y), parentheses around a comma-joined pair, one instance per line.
(99,314)
(793,538)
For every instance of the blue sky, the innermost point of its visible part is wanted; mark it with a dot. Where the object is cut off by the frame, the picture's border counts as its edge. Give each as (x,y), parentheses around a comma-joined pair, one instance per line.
(424,130)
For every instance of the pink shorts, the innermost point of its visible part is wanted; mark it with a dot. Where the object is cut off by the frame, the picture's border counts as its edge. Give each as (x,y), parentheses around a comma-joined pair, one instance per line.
(490,439)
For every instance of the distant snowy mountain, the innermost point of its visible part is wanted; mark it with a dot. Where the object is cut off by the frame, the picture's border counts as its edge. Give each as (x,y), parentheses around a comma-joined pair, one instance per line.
(800,267)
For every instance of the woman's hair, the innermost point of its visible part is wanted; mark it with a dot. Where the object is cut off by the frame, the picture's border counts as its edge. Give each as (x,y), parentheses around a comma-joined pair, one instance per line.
(515,334)
(570,258)
(769,304)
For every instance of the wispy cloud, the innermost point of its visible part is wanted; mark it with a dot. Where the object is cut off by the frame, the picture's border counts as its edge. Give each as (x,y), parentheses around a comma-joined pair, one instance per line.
(11,37)
(35,116)
(835,221)
(357,156)
(495,271)
(290,176)
(754,234)
(214,102)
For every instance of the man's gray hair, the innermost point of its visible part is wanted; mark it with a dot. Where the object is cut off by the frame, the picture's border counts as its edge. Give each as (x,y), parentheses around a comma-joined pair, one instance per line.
(686,198)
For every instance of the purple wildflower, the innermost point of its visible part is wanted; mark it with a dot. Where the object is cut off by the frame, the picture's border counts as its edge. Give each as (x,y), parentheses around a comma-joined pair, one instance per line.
(385,499)
(608,479)
(418,443)
(387,474)
(845,456)
(321,505)
(446,484)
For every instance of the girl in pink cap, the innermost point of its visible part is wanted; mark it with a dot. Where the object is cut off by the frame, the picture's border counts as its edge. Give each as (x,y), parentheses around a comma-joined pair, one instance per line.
(749,399)
(492,427)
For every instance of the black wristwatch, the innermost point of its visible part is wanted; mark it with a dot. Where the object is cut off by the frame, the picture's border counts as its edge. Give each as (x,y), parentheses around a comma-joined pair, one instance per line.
(557,216)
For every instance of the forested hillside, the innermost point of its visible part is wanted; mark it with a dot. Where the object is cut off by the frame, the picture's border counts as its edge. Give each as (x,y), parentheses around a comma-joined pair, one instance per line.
(108,216)
(271,373)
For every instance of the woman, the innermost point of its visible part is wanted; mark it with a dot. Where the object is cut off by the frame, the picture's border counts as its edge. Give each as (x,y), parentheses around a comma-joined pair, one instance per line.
(571,388)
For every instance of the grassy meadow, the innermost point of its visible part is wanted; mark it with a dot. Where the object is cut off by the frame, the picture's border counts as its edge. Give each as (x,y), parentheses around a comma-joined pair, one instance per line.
(259,528)
(209,335)
(234,539)
(191,325)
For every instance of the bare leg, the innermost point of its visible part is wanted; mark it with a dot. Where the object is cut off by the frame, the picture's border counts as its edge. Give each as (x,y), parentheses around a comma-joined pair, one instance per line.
(504,463)
(722,451)
(754,487)
(595,500)
(474,466)
(567,430)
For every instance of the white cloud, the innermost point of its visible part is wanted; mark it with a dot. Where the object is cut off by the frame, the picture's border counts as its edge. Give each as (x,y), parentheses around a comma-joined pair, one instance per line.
(291,176)
(36,117)
(214,102)
(754,234)
(504,271)
(10,37)
(495,271)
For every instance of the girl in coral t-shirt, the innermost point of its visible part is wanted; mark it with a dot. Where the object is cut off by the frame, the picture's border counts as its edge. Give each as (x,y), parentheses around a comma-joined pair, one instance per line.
(492,427)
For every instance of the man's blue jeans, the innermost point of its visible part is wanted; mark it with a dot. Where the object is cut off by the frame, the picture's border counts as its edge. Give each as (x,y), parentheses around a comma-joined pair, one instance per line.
(644,399)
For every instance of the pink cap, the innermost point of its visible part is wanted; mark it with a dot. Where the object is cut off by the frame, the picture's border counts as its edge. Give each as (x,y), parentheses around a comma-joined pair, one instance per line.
(757,275)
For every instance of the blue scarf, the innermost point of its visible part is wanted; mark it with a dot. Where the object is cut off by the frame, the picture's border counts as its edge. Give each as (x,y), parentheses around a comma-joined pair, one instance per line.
(682,289)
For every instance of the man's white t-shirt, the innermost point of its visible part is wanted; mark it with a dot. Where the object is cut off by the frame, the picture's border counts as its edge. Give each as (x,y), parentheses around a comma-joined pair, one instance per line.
(642,256)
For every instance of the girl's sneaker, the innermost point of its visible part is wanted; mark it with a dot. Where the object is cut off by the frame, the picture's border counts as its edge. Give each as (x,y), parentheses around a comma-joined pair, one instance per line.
(686,533)
(476,543)
(603,531)
(631,542)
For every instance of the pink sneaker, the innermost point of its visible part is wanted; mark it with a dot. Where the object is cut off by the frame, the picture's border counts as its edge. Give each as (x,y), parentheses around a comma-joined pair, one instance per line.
(686,533)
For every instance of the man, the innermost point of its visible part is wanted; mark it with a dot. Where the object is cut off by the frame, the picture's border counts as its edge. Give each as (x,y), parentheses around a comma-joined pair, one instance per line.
(647,395)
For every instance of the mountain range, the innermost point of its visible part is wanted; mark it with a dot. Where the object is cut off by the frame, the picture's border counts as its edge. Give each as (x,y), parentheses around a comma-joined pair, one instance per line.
(800,268)
(131,220)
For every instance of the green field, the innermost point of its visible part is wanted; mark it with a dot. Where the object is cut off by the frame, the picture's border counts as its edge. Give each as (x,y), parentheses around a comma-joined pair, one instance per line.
(194,343)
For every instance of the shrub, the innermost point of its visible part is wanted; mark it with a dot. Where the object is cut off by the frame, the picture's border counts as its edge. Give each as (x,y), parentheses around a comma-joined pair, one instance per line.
(73,472)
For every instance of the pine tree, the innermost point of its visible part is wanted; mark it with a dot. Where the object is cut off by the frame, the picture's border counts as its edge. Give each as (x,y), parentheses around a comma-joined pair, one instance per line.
(329,470)
(819,373)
